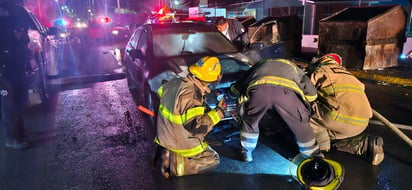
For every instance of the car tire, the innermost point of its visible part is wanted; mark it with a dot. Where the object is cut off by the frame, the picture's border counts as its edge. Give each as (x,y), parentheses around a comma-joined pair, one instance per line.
(152,103)
(37,85)
(43,82)
(130,83)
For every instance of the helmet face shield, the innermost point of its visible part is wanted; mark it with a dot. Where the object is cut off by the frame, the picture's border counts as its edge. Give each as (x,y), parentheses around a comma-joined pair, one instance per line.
(316,173)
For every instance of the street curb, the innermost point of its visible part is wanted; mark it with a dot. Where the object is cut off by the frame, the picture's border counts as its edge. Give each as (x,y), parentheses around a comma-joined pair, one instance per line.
(382,78)
(87,79)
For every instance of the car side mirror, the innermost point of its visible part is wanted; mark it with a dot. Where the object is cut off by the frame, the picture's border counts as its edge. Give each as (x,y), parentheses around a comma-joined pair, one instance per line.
(135,53)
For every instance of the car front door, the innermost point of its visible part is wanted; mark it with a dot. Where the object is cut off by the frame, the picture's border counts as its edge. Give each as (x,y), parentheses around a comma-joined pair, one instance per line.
(139,64)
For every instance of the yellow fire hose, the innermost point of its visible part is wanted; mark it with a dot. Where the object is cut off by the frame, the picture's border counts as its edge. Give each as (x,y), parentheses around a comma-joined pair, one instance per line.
(393,127)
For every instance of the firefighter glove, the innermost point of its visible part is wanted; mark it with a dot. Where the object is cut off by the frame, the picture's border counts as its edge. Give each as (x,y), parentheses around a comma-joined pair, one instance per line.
(222,106)
(234,91)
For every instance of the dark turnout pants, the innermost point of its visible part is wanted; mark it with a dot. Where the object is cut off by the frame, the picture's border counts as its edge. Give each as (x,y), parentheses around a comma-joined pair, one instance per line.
(13,100)
(290,108)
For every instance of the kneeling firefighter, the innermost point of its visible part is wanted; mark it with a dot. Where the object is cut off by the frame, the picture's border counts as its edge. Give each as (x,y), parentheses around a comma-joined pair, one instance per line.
(184,120)
(342,111)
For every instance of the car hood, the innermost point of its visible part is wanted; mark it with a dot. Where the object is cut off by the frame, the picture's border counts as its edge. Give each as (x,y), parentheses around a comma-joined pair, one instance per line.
(233,66)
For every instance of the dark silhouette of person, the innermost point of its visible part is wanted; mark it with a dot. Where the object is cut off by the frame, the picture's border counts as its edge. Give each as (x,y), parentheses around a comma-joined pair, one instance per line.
(233,30)
(14,56)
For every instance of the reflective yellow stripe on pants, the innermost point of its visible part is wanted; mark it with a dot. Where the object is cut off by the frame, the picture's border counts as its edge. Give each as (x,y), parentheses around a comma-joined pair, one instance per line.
(181,154)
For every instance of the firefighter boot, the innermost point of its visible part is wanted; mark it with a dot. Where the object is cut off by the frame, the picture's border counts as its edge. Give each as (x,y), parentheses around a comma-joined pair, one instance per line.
(367,146)
(17,144)
(165,165)
(353,145)
(246,155)
(323,139)
(375,154)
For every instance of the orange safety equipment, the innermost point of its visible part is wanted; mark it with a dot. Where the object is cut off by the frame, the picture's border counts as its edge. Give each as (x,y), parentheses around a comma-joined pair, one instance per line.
(206,69)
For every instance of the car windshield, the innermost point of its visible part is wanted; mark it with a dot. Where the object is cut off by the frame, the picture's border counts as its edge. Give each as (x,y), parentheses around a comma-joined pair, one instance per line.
(232,66)
(191,42)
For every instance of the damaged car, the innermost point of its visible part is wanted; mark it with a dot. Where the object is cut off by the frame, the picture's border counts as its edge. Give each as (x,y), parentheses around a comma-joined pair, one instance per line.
(158,52)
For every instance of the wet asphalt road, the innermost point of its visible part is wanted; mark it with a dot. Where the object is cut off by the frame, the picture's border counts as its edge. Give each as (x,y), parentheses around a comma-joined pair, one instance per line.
(82,140)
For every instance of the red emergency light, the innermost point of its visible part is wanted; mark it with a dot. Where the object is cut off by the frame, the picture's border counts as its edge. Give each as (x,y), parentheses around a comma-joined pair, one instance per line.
(106,20)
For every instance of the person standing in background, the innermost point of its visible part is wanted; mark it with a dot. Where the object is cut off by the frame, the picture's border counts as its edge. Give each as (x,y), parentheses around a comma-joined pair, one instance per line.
(14,55)
(233,30)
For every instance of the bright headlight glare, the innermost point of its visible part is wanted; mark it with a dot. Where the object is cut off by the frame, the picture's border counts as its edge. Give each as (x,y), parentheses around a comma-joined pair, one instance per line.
(81,25)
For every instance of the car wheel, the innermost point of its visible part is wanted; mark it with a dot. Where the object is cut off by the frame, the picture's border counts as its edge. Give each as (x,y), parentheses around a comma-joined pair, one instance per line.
(152,103)
(43,83)
(52,67)
(130,83)
(37,84)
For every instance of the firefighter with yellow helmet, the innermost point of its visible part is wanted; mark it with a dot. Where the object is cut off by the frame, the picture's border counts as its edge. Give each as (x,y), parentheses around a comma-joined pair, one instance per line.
(184,120)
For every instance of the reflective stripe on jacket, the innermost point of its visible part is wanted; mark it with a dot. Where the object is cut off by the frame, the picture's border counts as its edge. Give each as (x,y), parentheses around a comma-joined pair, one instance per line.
(341,94)
(280,72)
(183,120)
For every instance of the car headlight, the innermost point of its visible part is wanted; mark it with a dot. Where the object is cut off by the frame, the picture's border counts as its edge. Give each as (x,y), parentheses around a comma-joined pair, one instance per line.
(63,35)
(80,25)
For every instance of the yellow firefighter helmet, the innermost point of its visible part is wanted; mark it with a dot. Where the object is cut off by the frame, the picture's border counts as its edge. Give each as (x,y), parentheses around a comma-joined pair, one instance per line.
(316,173)
(206,69)
(320,174)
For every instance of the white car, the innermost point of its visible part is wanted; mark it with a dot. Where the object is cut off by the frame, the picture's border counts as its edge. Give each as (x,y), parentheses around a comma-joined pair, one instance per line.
(43,61)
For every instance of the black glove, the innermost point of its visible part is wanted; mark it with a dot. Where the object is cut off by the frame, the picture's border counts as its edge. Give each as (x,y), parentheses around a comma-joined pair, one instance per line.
(234,91)
(314,108)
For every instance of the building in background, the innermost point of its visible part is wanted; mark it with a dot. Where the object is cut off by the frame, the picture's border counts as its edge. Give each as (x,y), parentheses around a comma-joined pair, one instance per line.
(309,11)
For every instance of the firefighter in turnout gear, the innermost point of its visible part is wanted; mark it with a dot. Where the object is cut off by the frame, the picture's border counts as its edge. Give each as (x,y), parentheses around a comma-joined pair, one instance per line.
(342,110)
(277,85)
(184,120)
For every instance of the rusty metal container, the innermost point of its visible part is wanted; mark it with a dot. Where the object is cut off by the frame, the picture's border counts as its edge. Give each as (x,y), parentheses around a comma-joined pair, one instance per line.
(368,37)
(271,30)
